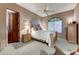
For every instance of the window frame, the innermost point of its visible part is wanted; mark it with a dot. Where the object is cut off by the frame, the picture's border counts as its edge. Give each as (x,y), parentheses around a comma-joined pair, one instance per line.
(53,19)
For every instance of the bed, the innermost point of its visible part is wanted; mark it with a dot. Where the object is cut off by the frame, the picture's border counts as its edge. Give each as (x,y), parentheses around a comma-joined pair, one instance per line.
(42,35)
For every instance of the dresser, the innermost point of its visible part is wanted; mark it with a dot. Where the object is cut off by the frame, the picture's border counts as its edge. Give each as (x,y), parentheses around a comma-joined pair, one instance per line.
(72,33)
(26,37)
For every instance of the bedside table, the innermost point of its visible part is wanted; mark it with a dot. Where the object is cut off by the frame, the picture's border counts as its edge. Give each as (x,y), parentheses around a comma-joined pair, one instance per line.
(26,37)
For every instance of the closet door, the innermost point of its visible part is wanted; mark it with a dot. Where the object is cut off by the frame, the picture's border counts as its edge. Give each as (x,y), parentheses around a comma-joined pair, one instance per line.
(72,33)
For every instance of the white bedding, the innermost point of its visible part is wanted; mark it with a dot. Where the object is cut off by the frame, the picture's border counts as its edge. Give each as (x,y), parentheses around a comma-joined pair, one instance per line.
(42,35)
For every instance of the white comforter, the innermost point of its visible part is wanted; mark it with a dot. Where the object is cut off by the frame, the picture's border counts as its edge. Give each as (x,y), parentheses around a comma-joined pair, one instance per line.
(42,35)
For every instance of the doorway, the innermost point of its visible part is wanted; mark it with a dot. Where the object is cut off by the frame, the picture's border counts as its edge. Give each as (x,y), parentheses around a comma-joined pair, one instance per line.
(13,26)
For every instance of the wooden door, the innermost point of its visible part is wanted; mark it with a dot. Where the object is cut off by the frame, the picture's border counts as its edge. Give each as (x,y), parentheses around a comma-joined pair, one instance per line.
(13,32)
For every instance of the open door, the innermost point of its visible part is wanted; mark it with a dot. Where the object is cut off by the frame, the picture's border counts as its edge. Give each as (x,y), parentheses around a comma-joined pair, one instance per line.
(13,27)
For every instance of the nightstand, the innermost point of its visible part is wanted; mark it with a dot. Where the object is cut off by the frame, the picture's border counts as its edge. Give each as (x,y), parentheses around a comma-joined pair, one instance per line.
(26,37)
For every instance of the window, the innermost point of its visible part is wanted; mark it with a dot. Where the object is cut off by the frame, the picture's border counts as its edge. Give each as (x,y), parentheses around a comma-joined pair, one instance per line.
(55,24)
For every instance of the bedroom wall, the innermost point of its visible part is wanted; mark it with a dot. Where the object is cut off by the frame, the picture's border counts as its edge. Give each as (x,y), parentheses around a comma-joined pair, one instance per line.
(76,13)
(65,16)
(24,15)
(35,21)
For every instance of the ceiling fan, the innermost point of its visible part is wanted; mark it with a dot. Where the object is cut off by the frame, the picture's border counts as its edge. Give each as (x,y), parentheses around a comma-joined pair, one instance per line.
(45,9)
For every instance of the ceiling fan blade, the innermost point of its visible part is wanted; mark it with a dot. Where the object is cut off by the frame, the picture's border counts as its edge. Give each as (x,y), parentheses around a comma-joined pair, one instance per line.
(46,13)
(40,10)
(50,11)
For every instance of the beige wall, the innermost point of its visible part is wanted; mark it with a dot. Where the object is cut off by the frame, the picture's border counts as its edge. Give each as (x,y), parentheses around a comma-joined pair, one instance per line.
(76,13)
(24,15)
(65,16)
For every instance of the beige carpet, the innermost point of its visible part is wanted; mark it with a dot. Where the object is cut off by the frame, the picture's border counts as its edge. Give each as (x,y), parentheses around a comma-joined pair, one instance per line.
(30,48)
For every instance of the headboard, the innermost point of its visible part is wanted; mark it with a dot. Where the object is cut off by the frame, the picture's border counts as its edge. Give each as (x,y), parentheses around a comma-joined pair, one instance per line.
(36,27)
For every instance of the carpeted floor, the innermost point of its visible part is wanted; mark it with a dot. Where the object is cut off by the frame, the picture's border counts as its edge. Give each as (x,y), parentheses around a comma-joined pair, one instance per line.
(29,48)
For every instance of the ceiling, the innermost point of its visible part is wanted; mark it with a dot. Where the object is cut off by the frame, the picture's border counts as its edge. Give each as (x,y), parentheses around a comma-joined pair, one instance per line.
(38,8)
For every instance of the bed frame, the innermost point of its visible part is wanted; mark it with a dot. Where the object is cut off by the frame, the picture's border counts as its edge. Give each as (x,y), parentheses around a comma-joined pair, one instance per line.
(40,40)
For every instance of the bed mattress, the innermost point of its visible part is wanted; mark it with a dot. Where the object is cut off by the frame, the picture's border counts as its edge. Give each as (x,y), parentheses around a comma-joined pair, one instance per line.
(42,36)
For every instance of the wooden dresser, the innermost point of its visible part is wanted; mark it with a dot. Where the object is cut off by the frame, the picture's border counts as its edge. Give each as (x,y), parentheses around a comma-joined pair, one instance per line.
(72,33)
(26,37)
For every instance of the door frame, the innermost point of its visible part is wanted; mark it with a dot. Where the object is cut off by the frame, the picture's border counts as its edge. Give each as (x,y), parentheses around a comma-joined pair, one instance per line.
(13,11)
